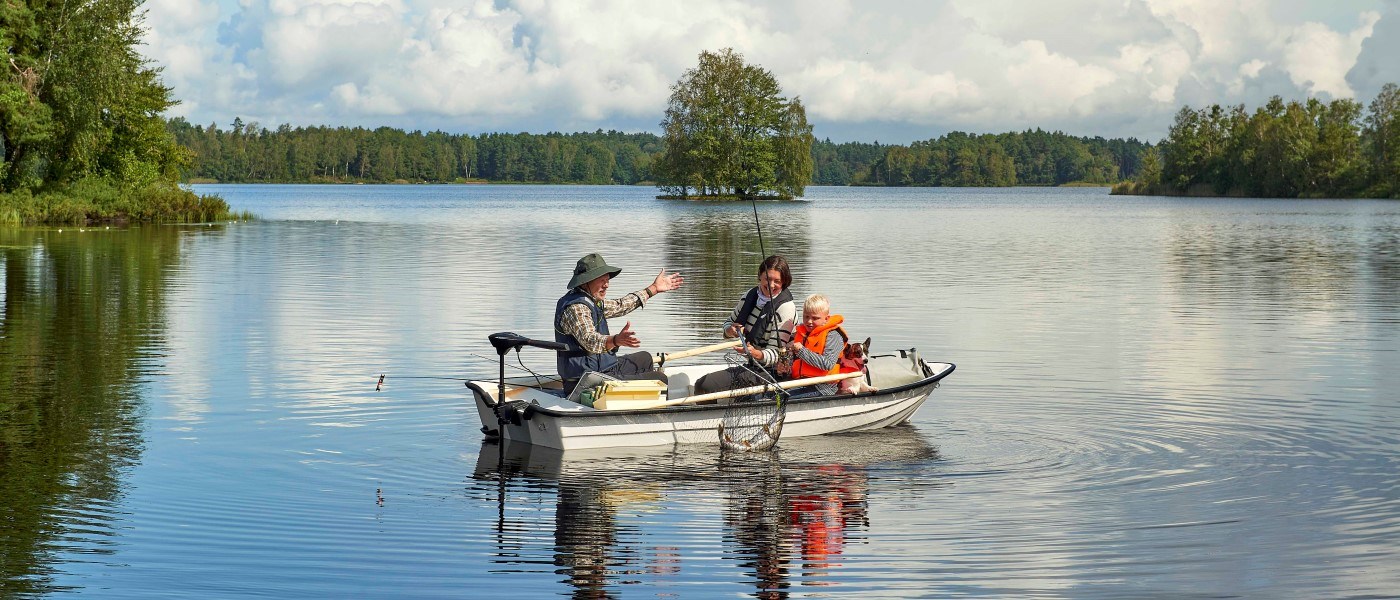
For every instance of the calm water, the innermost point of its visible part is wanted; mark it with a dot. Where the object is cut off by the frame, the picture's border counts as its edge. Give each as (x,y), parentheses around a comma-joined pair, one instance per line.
(1154,398)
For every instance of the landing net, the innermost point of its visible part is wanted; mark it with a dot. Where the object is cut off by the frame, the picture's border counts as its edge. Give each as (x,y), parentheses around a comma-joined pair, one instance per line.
(753,422)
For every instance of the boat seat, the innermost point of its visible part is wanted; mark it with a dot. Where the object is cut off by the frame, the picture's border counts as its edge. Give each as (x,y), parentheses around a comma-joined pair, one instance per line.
(678,385)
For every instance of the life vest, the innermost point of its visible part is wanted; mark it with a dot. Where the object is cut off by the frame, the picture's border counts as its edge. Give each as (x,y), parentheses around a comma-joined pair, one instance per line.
(815,340)
(758,334)
(575,361)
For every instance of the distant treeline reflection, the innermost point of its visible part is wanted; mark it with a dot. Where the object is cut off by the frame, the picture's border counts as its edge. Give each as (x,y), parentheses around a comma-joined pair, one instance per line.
(250,153)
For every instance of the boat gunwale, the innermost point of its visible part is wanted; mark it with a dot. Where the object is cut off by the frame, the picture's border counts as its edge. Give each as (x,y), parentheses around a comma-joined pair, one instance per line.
(537,409)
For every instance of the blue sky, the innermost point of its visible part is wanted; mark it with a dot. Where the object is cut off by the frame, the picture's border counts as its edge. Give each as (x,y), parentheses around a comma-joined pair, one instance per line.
(866,70)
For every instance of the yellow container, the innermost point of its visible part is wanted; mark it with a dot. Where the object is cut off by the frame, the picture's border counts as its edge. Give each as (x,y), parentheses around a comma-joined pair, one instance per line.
(626,394)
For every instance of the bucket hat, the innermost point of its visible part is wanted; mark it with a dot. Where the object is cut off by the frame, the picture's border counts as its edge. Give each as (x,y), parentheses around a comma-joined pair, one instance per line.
(591,267)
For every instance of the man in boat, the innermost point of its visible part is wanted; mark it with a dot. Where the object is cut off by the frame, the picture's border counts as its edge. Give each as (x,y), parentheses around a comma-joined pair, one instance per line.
(764,319)
(581,323)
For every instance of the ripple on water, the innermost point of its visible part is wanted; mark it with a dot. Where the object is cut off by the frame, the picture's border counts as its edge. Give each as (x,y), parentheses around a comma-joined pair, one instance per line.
(1155,398)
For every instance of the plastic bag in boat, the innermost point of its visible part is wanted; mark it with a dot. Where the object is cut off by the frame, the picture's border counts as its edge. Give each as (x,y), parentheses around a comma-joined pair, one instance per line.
(903,367)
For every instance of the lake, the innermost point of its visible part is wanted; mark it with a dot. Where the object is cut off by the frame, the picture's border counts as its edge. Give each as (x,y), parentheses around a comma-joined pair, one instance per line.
(1155,397)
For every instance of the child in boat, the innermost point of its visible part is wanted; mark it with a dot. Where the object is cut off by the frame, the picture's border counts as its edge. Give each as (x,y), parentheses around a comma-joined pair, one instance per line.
(815,350)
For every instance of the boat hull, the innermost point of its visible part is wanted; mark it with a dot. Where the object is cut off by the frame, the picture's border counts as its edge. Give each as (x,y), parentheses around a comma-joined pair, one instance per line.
(552,427)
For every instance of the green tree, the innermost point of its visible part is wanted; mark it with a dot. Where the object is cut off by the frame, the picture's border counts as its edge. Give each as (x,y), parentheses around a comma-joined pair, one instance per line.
(729,131)
(81,131)
(106,98)
(25,120)
(1150,162)
(1382,141)
(1282,150)
(1335,166)
(795,165)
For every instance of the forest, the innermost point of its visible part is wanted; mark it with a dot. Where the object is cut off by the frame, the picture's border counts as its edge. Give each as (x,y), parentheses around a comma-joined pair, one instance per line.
(249,153)
(1294,149)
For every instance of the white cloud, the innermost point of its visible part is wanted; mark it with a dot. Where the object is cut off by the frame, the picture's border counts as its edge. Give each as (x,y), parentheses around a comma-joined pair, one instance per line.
(853,90)
(1376,65)
(1094,67)
(312,45)
(1318,58)
(1061,83)
(1251,69)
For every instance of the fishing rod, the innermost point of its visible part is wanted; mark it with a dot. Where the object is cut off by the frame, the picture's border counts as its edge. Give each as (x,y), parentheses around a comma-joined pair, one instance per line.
(754,202)
(380,385)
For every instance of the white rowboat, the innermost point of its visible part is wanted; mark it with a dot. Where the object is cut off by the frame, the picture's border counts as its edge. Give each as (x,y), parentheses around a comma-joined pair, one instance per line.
(534,411)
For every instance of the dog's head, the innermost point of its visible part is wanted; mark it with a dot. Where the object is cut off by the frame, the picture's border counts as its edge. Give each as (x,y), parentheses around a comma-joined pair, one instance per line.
(855,355)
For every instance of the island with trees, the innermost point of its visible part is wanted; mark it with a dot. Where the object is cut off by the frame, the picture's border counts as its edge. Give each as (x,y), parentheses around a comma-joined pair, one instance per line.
(82,136)
(730,134)
(1310,149)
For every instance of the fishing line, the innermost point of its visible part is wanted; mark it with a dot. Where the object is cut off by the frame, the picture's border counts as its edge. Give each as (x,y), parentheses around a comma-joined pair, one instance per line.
(754,203)
(493,360)
(539,379)
(379,386)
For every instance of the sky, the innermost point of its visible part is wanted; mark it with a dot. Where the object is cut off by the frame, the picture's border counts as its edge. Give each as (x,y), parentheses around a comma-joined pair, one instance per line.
(866,70)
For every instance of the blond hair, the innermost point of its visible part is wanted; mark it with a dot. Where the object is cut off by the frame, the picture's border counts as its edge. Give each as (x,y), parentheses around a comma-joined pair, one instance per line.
(816,303)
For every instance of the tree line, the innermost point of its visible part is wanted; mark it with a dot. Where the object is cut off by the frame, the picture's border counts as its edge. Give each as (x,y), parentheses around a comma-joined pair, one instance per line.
(1282,150)
(250,153)
(1032,157)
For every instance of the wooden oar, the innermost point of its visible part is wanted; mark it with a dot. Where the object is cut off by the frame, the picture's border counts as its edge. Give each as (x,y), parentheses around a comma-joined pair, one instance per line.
(620,404)
(756,389)
(660,358)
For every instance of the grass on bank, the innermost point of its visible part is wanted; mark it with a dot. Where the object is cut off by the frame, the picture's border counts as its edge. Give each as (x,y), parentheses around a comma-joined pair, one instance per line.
(1204,190)
(93,201)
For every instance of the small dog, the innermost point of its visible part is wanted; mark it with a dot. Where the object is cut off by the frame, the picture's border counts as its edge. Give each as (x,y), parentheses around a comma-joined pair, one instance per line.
(853,358)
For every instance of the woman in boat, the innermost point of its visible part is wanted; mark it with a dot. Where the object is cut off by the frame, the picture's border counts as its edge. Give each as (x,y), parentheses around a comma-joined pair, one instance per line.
(581,323)
(764,319)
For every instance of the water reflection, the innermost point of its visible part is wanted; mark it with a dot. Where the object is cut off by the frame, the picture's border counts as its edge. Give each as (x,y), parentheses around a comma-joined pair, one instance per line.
(1382,257)
(717,248)
(787,516)
(1309,266)
(799,517)
(82,315)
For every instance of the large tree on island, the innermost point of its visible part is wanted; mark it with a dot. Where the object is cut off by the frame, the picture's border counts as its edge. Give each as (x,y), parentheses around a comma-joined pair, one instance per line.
(730,132)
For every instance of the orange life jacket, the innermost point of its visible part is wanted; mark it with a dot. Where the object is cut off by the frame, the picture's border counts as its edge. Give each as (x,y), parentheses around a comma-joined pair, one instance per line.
(815,340)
